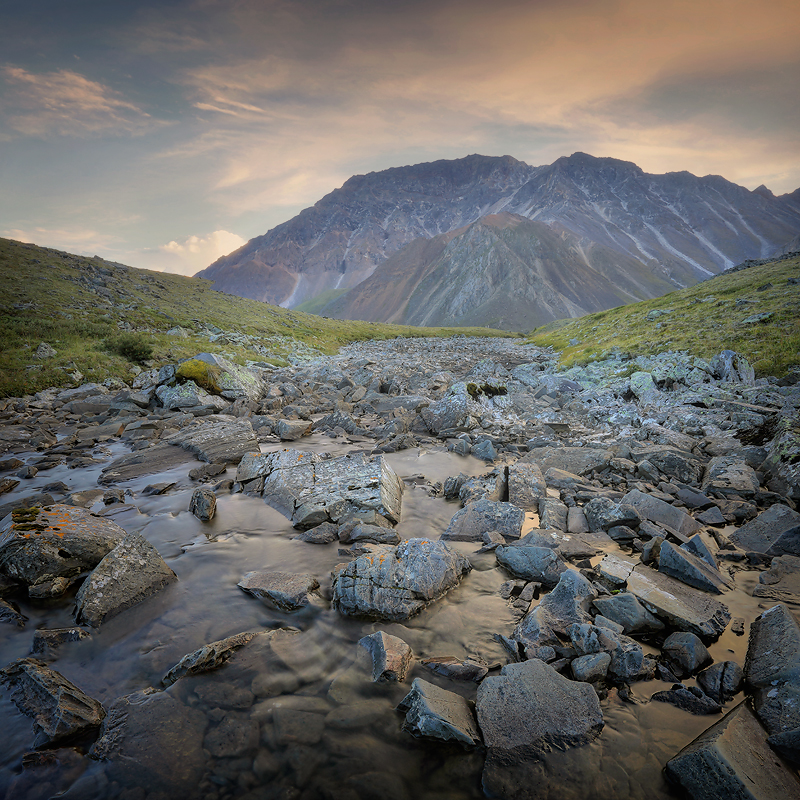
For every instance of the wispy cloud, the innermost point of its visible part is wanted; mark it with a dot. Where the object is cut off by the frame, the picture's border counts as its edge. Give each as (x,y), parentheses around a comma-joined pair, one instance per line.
(194,253)
(65,103)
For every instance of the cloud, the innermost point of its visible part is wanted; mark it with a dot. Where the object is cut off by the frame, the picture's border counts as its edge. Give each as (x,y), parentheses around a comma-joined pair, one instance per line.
(82,241)
(65,103)
(196,252)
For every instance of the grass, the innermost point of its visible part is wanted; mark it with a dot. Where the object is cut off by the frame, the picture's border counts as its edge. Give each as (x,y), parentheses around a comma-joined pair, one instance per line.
(83,307)
(316,304)
(703,320)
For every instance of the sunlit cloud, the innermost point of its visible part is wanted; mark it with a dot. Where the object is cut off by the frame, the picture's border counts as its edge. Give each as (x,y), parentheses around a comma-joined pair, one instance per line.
(195,252)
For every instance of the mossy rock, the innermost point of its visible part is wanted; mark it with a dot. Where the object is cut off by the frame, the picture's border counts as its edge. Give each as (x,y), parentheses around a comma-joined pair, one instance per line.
(205,375)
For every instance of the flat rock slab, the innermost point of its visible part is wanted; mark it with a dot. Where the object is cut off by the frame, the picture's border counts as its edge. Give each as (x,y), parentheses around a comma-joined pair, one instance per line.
(54,541)
(733,760)
(221,441)
(781,582)
(435,713)
(655,510)
(775,532)
(154,459)
(208,657)
(285,590)
(151,740)
(577,460)
(471,522)
(391,656)
(129,574)
(690,569)
(682,606)
(394,583)
(60,710)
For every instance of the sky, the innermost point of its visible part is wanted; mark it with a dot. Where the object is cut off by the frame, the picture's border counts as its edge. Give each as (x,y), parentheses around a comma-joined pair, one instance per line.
(165,133)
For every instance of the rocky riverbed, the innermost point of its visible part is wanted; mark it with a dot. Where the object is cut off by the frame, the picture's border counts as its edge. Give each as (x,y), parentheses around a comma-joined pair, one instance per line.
(433,568)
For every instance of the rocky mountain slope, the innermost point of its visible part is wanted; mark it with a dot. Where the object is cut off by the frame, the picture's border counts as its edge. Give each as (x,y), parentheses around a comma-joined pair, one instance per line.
(682,227)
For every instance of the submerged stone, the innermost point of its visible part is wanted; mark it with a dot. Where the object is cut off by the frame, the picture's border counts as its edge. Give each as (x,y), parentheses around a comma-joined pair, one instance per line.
(208,657)
(287,591)
(391,656)
(435,713)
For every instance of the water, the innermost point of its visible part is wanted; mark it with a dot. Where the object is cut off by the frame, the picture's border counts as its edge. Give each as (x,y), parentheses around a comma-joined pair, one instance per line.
(309,722)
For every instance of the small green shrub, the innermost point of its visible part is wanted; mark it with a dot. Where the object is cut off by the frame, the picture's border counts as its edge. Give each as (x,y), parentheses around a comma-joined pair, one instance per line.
(131,346)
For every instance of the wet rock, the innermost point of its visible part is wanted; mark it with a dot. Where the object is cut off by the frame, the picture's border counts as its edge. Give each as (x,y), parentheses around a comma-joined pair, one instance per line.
(688,698)
(40,544)
(526,486)
(787,745)
(45,642)
(129,574)
(208,657)
(775,532)
(721,681)
(222,441)
(773,650)
(781,582)
(691,570)
(203,504)
(356,531)
(10,614)
(289,430)
(236,735)
(685,652)
(655,510)
(552,514)
(395,583)
(626,655)
(729,476)
(616,569)
(682,606)
(435,713)
(152,460)
(626,610)
(294,727)
(325,533)
(591,667)
(532,563)
(286,591)
(471,522)
(151,740)
(457,669)
(60,710)
(391,657)
(731,760)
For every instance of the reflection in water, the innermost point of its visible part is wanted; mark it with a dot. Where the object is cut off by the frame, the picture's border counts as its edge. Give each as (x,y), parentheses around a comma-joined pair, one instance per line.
(298,716)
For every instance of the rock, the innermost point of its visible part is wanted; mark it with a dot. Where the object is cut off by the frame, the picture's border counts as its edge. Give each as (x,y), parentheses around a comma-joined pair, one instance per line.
(457,669)
(325,533)
(773,651)
(45,350)
(577,460)
(203,504)
(626,610)
(576,520)
(60,710)
(698,546)
(471,522)
(782,464)
(590,668)
(284,590)
(129,574)
(222,441)
(730,476)
(682,606)
(208,657)
(45,642)
(644,387)
(484,450)
(686,653)
(40,544)
(730,367)
(732,760)
(532,563)
(152,741)
(391,657)
(787,745)
(10,614)
(394,583)
(236,735)
(355,531)
(562,480)
(154,459)
(781,582)
(713,516)
(688,698)
(526,486)
(691,570)
(220,376)
(289,430)
(449,414)
(616,569)
(627,656)
(435,713)
(721,681)
(655,510)
(552,514)
(187,395)
(775,532)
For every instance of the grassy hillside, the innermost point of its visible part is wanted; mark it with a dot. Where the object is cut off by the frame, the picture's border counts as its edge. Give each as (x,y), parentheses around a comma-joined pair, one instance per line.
(317,304)
(106,319)
(704,319)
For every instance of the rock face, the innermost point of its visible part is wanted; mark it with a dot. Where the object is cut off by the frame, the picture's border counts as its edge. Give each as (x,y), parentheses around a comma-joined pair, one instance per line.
(285,590)
(129,574)
(775,532)
(394,583)
(60,710)
(435,713)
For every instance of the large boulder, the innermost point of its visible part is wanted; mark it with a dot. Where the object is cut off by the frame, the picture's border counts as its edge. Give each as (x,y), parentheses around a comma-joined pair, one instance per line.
(541,564)
(224,440)
(656,510)
(775,532)
(471,522)
(435,713)
(219,376)
(577,460)
(284,590)
(129,574)
(773,651)
(38,545)
(626,610)
(526,486)
(394,583)
(452,413)
(783,458)
(691,570)
(730,476)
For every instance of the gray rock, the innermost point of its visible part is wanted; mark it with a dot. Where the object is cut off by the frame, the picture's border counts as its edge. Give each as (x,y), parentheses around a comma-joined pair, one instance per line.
(152,460)
(773,651)
(221,441)
(484,450)
(203,504)
(655,510)
(698,546)
(775,532)
(778,707)
(284,590)
(713,517)
(732,760)
(721,681)
(688,698)
(782,464)
(603,513)
(186,395)
(435,713)
(532,563)
(645,389)
(730,476)
(129,574)
(236,735)
(690,569)
(391,657)
(787,745)
(208,657)
(45,350)
(457,669)
(590,668)
(221,377)
(627,656)
(471,522)
(325,533)
(289,430)
(60,710)
(685,652)
(578,460)
(526,486)
(561,479)
(40,544)
(355,531)
(45,642)
(576,520)
(394,583)
(552,514)
(10,614)
(449,414)
(676,465)
(731,367)
(781,582)
(626,610)
(616,569)
(682,606)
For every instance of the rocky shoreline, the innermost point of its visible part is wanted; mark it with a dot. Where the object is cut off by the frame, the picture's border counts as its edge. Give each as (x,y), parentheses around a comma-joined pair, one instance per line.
(625,502)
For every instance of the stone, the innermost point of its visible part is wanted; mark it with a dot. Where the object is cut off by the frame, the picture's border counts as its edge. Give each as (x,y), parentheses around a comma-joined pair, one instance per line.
(562,480)
(221,441)
(682,606)
(435,713)
(186,395)
(40,544)
(655,510)
(773,650)
(129,574)
(45,350)
(355,531)
(457,669)
(484,450)
(721,681)
(325,533)
(627,656)
(203,504)
(60,710)
(732,760)
(699,546)
(576,520)
(391,657)
(289,430)
(590,668)
(552,514)
(236,735)
(688,698)
(532,563)
(644,387)
(730,476)
(471,522)
(626,610)
(284,590)
(676,465)
(713,517)
(526,486)
(10,614)
(45,642)
(208,657)
(394,583)
(686,653)
(781,582)
(691,570)
(221,377)
(577,460)
(451,413)
(152,460)
(731,367)
(775,532)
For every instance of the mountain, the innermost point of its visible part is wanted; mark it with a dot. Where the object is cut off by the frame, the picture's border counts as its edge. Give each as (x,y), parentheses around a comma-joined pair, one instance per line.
(503,270)
(681,227)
